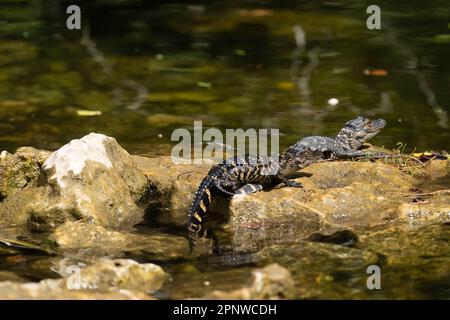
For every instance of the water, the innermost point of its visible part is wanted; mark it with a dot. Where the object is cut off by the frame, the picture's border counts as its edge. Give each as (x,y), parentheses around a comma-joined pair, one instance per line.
(152,68)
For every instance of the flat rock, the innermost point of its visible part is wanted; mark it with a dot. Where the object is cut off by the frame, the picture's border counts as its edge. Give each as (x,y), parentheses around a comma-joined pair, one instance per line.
(78,239)
(434,209)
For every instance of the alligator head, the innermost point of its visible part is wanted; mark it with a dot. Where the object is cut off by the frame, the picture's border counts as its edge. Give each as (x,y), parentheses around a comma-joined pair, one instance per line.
(359,130)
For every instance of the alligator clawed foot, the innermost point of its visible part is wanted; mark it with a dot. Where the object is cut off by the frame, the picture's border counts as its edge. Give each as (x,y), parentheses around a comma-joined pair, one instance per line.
(293,184)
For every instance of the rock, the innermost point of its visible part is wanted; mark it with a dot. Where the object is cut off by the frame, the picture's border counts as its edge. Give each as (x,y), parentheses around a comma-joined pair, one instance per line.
(356,193)
(419,254)
(266,218)
(436,209)
(434,169)
(10,276)
(112,275)
(91,179)
(30,291)
(19,169)
(87,240)
(173,186)
(339,194)
(323,270)
(270,282)
(188,282)
(14,210)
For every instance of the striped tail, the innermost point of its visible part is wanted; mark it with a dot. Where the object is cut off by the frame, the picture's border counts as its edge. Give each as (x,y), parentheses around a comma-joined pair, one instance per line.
(197,211)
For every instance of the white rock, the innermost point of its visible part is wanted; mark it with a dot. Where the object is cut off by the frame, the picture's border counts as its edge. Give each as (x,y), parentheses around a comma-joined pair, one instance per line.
(72,157)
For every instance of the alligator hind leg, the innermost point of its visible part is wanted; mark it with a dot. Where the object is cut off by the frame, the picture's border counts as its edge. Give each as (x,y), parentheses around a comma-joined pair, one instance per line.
(220,188)
(249,188)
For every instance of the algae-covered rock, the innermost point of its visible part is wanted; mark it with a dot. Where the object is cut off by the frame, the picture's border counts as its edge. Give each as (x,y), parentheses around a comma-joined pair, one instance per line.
(19,169)
(92,179)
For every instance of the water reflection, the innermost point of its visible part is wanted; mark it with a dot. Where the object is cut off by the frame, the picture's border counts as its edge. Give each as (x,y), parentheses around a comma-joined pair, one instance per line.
(242,65)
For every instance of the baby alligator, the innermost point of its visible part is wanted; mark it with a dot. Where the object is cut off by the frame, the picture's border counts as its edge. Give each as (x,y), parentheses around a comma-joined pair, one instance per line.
(248,174)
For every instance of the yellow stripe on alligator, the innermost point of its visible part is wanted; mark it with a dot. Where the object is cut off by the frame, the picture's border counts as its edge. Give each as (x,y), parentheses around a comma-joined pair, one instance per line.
(208,193)
(197,216)
(202,205)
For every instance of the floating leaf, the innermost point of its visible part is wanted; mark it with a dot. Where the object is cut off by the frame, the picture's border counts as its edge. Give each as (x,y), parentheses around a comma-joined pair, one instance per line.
(204,84)
(89,113)
(376,72)
(240,52)
(285,85)
(442,38)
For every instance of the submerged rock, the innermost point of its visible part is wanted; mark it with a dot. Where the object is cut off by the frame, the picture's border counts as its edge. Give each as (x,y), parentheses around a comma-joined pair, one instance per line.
(37,291)
(88,240)
(270,282)
(323,270)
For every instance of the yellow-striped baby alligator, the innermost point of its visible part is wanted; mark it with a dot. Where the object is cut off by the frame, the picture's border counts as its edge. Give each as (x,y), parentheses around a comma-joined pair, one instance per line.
(248,174)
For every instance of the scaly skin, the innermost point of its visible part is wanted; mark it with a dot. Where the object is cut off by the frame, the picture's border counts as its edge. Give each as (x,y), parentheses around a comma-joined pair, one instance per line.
(247,174)
(346,144)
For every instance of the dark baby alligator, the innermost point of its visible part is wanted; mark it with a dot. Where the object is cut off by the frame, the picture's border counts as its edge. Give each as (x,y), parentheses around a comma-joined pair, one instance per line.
(248,174)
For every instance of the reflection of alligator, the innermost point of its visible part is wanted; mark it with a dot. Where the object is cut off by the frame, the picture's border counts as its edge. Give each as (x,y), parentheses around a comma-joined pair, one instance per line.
(247,174)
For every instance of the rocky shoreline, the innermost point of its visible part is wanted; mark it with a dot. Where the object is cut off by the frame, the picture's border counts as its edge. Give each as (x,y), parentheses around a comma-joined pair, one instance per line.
(92,201)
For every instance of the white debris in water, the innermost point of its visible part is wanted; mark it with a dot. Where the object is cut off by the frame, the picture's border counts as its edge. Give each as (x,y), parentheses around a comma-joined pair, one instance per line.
(299,35)
(73,156)
(333,102)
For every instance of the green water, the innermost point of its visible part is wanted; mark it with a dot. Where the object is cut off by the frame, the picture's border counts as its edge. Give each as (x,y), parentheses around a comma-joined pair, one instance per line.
(151,67)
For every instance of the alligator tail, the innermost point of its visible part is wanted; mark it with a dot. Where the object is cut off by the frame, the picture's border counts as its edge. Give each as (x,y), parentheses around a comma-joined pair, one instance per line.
(199,206)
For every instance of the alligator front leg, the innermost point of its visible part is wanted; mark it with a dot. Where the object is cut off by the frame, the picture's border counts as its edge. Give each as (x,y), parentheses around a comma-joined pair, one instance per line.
(292,184)
(342,154)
